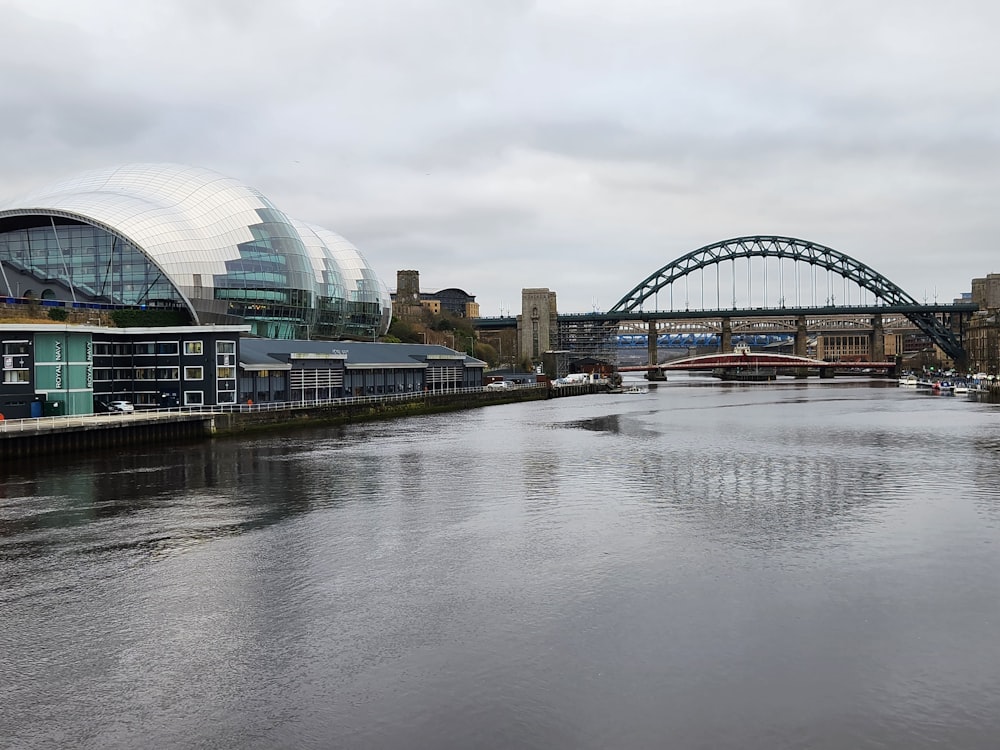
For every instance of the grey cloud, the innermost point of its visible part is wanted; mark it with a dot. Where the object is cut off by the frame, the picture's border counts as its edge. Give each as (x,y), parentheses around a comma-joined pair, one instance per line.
(436,134)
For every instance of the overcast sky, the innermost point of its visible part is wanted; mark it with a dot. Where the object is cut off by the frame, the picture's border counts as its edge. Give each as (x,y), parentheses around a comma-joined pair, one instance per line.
(569,144)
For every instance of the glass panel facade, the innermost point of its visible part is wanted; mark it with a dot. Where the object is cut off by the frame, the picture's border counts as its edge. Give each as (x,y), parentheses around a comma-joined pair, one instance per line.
(271,284)
(84,261)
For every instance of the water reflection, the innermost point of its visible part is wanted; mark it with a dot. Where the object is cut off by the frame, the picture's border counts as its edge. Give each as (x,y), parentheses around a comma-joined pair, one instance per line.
(155,503)
(706,567)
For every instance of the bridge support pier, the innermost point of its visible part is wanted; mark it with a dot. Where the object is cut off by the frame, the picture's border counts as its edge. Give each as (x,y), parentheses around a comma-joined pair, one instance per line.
(726,336)
(653,354)
(876,345)
(801,348)
(801,337)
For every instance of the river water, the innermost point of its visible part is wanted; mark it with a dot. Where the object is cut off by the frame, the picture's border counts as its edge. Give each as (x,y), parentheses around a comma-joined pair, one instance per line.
(793,565)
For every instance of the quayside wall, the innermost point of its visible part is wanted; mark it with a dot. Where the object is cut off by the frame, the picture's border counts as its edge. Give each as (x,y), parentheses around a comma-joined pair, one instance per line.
(364,410)
(70,435)
(100,434)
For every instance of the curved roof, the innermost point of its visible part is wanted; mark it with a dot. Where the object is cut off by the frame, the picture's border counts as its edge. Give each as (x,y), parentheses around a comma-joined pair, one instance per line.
(195,225)
(187,220)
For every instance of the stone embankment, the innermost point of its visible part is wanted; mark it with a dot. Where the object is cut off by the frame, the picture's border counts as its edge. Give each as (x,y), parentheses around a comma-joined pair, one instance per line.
(261,418)
(67,435)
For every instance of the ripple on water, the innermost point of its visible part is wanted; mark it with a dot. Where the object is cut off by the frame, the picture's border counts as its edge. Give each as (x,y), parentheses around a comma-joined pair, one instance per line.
(698,567)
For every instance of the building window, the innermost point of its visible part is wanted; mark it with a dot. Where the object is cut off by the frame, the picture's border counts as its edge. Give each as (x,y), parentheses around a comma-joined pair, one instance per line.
(194,398)
(193,347)
(227,397)
(225,347)
(194,373)
(145,373)
(168,373)
(225,372)
(16,347)
(16,376)
(166,347)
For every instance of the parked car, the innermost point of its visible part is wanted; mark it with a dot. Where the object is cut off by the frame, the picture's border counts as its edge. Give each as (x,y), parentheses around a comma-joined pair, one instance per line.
(498,385)
(121,406)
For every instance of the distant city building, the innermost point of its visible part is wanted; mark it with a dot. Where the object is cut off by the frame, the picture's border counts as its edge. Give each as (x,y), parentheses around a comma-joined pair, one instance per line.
(181,237)
(838,347)
(986,292)
(408,301)
(982,334)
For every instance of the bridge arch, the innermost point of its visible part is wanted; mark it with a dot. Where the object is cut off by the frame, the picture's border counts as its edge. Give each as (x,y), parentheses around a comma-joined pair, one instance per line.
(799,251)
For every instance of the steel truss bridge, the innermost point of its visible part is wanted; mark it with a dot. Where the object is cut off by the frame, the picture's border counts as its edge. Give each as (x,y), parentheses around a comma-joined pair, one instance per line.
(762,283)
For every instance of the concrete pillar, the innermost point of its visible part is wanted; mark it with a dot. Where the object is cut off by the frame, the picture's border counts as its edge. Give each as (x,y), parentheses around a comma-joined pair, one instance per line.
(726,336)
(801,347)
(876,345)
(801,337)
(654,372)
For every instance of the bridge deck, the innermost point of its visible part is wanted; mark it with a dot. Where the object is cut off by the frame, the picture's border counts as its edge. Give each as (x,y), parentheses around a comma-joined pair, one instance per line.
(739,360)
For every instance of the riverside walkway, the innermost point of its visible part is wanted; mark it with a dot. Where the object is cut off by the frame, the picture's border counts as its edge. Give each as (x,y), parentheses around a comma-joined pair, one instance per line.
(70,434)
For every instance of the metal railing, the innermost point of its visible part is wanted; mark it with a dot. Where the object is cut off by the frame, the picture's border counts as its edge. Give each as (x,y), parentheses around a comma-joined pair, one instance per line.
(42,424)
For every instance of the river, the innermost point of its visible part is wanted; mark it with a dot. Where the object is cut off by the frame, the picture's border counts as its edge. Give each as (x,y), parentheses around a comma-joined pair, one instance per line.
(789,565)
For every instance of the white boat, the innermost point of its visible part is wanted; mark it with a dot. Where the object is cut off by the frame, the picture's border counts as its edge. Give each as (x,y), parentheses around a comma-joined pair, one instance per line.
(960,388)
(634,389)
(908,381)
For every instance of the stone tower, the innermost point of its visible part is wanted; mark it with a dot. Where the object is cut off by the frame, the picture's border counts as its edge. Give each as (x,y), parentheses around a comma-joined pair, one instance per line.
(406,300)
(536,325)
(408,287)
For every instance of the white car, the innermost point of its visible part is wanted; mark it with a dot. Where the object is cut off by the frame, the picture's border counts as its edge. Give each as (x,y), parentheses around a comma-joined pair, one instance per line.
(498,385)
(121,406)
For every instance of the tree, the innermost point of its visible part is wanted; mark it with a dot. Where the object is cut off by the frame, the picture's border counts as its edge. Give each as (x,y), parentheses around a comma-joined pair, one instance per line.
(487,353)
(402,331)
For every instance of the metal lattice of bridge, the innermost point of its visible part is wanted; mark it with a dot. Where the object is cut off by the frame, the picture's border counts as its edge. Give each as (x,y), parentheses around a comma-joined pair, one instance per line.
(779,273)
(760,285)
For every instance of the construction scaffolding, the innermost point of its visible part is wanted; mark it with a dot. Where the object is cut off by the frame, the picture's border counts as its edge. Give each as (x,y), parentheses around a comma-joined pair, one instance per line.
(578,340)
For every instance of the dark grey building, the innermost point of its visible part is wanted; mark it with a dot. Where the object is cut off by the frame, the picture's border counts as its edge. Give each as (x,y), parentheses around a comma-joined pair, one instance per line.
(275,370)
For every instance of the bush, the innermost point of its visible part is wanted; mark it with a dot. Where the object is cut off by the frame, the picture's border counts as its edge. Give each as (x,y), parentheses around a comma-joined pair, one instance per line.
(58,313)
(150,318)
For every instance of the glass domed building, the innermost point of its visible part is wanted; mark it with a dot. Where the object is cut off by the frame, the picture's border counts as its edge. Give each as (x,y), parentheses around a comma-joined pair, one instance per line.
(174,236)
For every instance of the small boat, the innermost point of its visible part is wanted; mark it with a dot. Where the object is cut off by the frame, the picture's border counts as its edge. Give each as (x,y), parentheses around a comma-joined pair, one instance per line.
(634,389)
(908,381)
(960,388)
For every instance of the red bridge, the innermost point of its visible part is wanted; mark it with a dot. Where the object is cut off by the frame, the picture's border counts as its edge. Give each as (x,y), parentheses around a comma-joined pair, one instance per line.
(748,361)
